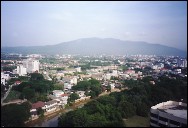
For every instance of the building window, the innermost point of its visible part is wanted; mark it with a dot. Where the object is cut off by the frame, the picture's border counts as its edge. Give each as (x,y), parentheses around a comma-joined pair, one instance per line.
(183,125)
(163,119)
(154,115)
(162,125)
(153,121)
(174,122)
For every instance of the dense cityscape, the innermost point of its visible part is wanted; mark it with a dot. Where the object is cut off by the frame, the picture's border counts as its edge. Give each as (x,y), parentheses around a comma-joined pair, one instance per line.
(94,64)
(45,84)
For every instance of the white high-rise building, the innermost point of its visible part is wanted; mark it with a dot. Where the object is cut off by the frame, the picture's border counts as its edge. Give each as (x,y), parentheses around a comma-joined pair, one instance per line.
(31,65)
(35,65)
(21,70)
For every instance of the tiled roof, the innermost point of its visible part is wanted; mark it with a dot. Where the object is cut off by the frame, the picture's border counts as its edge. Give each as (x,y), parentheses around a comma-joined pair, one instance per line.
(17,82)
(64,95)
(38,105)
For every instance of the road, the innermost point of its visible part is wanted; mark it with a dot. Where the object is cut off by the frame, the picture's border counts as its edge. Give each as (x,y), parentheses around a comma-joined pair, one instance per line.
(6,94)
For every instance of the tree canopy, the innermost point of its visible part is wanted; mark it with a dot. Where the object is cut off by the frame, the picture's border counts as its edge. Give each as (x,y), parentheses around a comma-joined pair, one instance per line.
(14,115)
(93,85)
(110,110)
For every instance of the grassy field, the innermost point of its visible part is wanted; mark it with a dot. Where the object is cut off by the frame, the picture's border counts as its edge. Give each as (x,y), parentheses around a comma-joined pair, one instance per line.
(137,121)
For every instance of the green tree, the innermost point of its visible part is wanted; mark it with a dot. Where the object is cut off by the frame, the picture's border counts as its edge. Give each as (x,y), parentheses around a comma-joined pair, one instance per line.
(28,93)
(96,120)
(58,87)
(36,76)
(73,97)
(10,68)
(40,112)
(21,86)
(97,89)
(82,86)
(127,109)
(105,100)
(92,94)
(14,115)
(108,88)
(80,118)
(93,107)
(142,110)
(94,82)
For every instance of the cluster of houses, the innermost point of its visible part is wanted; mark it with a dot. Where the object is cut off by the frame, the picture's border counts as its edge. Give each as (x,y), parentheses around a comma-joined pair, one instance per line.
(58,100)
(7,75)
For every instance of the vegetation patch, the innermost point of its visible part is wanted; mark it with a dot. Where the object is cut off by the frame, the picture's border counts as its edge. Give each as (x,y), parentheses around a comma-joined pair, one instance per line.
(12,96)
(137,121)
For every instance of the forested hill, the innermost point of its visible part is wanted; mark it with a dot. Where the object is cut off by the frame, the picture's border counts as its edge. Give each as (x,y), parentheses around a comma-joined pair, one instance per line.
(88,46)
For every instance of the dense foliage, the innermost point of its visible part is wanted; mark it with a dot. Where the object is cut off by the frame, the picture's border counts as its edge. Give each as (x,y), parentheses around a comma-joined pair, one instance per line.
(92,87)
(36,89)
(94,114)
(8,68)
(15,115)
(110,110)
(73,97)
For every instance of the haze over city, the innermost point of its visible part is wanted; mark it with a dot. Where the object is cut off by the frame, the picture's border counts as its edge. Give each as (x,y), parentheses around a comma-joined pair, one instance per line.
(93,64)
(48,23)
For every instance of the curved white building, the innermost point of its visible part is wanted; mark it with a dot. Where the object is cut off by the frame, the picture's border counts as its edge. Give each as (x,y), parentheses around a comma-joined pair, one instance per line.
(169,114)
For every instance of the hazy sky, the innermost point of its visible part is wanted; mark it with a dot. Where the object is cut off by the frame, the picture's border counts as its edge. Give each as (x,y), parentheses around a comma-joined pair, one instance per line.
(45,23)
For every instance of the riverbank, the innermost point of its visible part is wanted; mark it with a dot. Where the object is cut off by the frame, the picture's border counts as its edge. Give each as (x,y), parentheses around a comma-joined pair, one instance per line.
(42,121)
(51,120)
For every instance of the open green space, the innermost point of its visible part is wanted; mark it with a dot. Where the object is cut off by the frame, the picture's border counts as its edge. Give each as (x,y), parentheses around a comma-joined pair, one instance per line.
(137,121)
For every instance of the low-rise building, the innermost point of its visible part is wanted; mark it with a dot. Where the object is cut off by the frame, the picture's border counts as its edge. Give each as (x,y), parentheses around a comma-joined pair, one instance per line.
(112,85)
(17,82)
(67,86)
(70,79)
(5,75)
(97,76)
(130,72)
(34,108)
(57,93)
(51,106)
(169,114)
(64,98)
(78,69)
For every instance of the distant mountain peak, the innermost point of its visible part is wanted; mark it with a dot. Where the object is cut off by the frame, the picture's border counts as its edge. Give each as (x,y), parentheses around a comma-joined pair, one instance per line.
(95,45)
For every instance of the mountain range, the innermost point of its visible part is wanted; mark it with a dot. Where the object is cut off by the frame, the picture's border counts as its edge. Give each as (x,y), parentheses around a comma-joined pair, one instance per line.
(90,46)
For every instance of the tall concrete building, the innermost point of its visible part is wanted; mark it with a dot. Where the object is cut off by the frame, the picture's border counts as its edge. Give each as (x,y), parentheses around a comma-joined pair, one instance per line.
(28,66)
(21,70)
(169,114)
(31,65)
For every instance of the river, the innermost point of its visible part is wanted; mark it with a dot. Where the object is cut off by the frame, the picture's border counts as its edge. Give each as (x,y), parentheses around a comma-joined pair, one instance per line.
(48,123)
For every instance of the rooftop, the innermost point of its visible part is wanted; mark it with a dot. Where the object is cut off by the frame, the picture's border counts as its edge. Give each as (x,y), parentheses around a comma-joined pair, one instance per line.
(38,105)
(177,109)
(51,102)
(64,95)
(57,91)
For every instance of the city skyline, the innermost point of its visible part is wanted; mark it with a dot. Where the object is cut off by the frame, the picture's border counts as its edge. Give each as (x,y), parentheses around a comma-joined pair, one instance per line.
(49,23)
